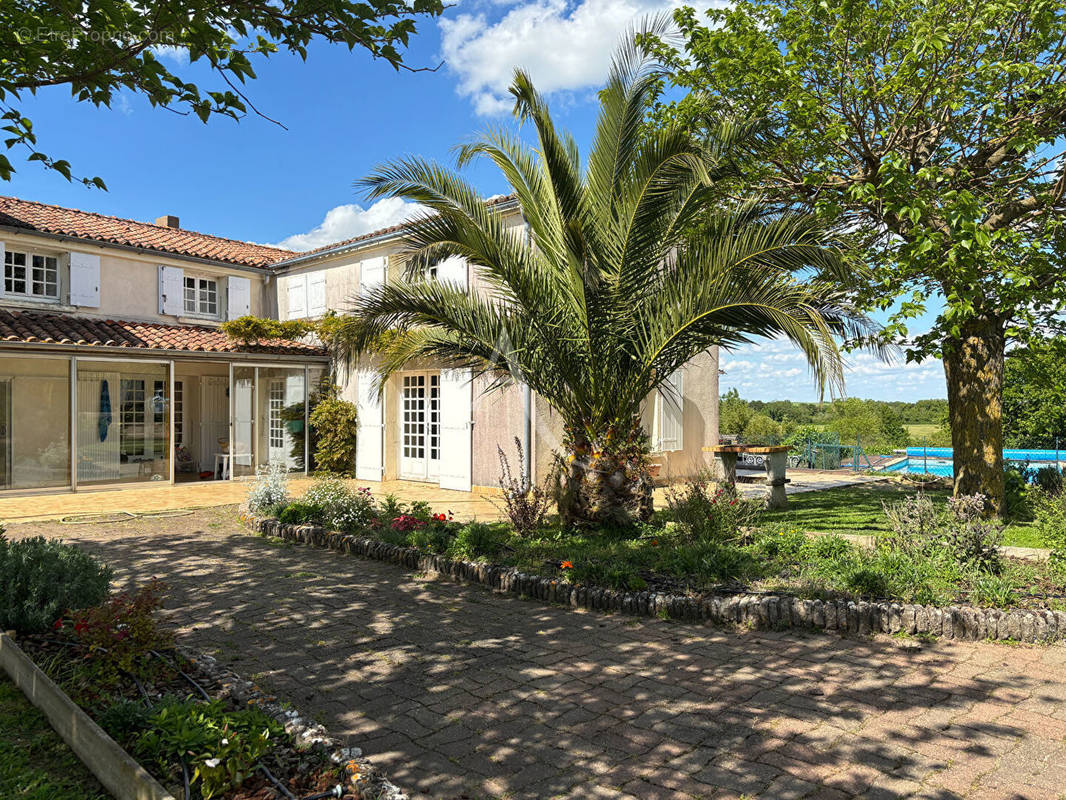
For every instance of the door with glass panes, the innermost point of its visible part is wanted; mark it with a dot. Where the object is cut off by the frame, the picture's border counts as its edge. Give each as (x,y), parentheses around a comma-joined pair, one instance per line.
(420,426)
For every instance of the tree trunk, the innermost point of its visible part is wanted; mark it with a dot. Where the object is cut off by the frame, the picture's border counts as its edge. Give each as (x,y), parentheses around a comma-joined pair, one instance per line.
(973,365)
(609,487)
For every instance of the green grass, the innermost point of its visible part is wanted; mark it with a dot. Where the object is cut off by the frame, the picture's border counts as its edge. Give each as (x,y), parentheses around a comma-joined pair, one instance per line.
(35,764)
(858,510)
(919,430)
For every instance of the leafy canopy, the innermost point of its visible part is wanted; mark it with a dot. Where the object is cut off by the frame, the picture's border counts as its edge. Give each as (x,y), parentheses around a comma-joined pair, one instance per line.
(934,128)
(607,295)
(101,48)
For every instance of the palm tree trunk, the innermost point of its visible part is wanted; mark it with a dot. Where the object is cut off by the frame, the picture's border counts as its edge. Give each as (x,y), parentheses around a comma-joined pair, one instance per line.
(608,487)
(973,365)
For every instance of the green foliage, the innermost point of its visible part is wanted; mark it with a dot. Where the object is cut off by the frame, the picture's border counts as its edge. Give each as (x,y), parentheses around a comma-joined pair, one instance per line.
(707,512)
(1034,389)
(300,513)
(1050,513)
(339,507)
(526,503)
(1016,490)
(1049,480)
(335,425)
(221,747)
(110,47)
(120,633)
(962,531)
(633,298)
(478,540)
(255,330)
(41,579)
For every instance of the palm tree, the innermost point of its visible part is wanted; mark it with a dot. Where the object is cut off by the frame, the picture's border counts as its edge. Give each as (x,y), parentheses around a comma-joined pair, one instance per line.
(611,292)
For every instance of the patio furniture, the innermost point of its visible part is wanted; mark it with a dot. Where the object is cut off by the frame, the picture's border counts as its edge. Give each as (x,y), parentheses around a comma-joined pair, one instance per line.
(774,460)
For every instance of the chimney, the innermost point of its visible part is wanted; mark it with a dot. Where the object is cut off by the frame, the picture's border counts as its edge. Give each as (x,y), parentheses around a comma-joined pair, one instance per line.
(168,221)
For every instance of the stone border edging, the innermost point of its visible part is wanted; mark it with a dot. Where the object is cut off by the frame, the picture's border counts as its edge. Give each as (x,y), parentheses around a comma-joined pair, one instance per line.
(968,623)
(116,770)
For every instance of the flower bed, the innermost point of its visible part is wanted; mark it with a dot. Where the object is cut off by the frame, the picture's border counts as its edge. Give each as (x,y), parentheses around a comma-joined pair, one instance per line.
(708,545)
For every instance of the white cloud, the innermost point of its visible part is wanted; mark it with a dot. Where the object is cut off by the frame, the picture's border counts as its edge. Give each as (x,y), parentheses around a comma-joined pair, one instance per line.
(347,221)
(775,370)
(564,45)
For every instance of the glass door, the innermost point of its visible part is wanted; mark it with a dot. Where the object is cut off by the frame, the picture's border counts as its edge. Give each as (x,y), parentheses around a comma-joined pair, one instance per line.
(420,427)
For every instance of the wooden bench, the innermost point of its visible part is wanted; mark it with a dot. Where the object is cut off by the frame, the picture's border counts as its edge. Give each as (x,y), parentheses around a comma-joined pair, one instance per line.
(775,462)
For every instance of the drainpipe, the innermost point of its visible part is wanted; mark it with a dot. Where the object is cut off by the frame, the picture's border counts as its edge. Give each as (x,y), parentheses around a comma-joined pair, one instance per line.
(527,406)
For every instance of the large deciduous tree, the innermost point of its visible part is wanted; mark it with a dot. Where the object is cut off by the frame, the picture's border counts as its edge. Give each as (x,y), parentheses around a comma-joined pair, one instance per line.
(609,296)
(101,48)
(934,127)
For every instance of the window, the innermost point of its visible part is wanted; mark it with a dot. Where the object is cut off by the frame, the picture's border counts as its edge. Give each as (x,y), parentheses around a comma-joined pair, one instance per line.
(31,275)
(201,296)
(179,412)
(159,418)
(132,418)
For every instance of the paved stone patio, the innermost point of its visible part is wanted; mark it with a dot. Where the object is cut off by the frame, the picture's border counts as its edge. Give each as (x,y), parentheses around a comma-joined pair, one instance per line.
(456,692)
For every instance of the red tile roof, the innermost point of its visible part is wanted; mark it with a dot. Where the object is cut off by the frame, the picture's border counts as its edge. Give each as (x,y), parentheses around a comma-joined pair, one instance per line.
(43,328)
(34,216)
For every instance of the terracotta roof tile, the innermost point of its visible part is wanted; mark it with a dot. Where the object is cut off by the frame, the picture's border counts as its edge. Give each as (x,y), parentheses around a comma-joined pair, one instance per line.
(45,328)
(34,216)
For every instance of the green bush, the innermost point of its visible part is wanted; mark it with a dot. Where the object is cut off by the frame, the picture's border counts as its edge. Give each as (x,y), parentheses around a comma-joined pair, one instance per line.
(479,540)
(704,512)
(867,582)
(1049,479)
(1050,515)
(341,508)
(1016,490)
(335,425)
(41,579)
(300,513)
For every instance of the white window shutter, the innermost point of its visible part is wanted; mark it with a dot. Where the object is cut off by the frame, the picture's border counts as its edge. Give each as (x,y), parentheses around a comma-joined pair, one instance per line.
(84,280)
(368,442)
(297,288)
(171,290)
(453,270)
(456,429)
(671,414)
(3,283)
(238,297)
(371,274)
(316,294)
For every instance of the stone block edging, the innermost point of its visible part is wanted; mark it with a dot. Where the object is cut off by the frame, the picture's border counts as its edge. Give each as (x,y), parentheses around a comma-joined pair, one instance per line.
(116,769)
(764,611)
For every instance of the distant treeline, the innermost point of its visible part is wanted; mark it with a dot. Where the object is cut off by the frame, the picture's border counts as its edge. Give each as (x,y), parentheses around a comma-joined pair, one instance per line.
(878,426)
(920,412)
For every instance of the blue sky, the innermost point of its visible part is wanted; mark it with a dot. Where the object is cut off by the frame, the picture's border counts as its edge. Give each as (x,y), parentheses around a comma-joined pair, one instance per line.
(343,114)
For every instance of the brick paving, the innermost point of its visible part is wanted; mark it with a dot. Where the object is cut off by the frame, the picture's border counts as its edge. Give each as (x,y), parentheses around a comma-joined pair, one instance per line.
(457,692)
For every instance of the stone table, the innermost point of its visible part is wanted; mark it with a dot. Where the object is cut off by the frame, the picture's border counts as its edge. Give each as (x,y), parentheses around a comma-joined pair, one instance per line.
(775,462)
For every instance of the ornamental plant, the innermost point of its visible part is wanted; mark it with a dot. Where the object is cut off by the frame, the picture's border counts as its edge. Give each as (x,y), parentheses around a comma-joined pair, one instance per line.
(40,579)
(334,424)
(610,295)
(221,747)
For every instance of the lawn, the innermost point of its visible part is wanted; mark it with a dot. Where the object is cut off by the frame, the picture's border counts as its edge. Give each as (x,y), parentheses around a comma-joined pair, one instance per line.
(35,764)
(858,510)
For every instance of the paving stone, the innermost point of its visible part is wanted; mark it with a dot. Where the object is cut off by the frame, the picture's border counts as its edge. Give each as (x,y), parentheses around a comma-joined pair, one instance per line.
(454,690)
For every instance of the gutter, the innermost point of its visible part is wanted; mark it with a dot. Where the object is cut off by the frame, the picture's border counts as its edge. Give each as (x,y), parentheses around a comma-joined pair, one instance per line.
(86,351)
(144,251)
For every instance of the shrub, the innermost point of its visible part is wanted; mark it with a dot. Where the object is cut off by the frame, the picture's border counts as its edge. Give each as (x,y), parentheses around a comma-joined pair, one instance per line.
(122,632)
(221,747)
(704,512)
(918,527)
(271,488)
(335,424)
(1049,480)
(1016,490)
(525,503)
(40,579)
(867,582)
(341,508)
(1050,515)
(478,540)
(299,512)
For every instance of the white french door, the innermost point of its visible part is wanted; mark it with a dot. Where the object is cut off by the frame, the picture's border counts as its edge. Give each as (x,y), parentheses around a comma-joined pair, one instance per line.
(420,427)
(277,437)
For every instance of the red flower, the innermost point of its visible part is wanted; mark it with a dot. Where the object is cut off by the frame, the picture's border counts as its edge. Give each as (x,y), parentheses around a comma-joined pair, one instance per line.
(58,624)
(566,565)
(80,627)
(655,542)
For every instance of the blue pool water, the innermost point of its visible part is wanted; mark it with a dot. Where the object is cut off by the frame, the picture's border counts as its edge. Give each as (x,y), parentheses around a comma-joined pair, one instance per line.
(937,460)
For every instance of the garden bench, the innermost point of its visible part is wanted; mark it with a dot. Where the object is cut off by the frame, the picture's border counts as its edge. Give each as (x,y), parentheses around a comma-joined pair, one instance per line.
(774,460)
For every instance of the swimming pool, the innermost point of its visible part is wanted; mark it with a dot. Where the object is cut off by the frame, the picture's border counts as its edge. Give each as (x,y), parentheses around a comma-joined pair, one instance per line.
(937,460)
